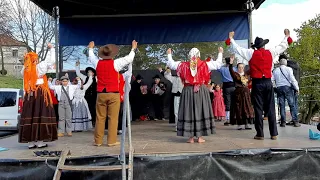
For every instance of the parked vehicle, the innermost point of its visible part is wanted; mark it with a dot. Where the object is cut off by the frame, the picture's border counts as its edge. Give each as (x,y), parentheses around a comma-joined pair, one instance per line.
(11,102)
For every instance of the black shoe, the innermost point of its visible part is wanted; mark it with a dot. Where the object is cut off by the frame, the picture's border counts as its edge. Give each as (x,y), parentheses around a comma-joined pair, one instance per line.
(45,153)
(32,147)
(227,124)
(283,124)
(43,146)
(296,124)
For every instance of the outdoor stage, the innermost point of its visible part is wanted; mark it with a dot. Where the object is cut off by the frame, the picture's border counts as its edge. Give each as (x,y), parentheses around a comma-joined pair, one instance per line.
(161,155)
(158,137)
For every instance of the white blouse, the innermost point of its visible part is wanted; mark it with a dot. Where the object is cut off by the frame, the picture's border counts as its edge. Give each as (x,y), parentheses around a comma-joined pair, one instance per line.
(44,66)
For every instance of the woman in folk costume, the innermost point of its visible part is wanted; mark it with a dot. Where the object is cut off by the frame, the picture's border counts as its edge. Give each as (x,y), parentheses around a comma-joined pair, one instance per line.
(91,92)
(38,122)
(81,116)
(195,117)
(242,113)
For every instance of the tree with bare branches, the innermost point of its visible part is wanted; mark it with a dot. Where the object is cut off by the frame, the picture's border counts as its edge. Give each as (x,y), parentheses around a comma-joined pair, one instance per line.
(32,26)
(4,29)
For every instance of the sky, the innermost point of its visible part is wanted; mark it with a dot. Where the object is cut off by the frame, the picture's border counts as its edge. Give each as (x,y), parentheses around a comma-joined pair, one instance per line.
(274,16)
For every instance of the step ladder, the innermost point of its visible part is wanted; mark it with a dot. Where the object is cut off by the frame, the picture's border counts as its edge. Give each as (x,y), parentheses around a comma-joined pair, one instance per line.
(126,119)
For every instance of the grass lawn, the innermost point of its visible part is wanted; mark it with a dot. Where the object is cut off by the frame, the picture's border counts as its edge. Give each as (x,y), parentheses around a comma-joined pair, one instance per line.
(10,82)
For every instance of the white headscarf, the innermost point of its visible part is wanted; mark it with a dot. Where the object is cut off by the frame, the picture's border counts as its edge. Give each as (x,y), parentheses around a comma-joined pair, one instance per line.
(193,56)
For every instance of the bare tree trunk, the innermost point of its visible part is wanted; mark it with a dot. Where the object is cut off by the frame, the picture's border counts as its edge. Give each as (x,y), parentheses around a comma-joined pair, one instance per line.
(2,60)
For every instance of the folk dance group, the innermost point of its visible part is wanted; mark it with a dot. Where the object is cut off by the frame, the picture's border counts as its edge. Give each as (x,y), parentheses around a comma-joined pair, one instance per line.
(195,117)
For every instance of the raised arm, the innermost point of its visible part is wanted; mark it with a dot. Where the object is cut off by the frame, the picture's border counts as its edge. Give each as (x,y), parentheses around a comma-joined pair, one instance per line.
(214,65)
(88,84)
(48,63)
(78,73)
(236,49)
(233,74)
(283,46)
(173,65)
(92,58)
(168,75)
(120,63)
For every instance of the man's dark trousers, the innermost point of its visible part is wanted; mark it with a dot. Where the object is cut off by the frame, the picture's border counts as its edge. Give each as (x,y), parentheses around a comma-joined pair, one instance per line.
(263,101)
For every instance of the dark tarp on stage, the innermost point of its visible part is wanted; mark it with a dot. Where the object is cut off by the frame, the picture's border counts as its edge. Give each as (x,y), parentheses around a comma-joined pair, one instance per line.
(302,164)
(153,30)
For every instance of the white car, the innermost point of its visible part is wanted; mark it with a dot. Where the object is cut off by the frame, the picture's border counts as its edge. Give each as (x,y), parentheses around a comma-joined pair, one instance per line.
(11,101)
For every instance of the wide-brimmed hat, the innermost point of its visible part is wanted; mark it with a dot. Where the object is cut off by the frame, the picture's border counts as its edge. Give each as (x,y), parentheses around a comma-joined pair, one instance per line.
(139,77)
(259,42)
(108,51)
(63,78)
(90,69)
(156,77)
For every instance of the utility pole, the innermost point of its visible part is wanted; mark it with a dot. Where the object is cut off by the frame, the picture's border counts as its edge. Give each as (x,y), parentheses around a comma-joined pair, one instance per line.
(250,8)
(56,35)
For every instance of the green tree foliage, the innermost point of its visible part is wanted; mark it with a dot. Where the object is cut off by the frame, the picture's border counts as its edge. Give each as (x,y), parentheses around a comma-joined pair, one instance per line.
(306,52)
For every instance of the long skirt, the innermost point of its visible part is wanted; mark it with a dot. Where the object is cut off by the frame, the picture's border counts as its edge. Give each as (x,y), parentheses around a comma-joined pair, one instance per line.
(38,121)
(81,118)
(195,113)
(242,112)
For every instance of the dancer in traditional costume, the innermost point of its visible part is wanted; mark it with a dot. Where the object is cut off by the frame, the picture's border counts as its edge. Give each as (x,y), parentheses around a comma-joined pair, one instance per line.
(81,116)
(177,87)
(260,63)
(242,113)
(195,111)
(228,88)
(108,99)
(38,122)
(65,93)
(91,92)
(218,103)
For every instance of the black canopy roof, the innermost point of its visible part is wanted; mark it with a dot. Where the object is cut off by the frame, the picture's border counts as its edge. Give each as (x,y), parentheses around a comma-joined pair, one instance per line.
(95,8)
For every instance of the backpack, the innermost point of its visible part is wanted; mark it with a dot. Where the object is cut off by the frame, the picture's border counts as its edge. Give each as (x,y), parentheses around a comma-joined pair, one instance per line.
(295,67)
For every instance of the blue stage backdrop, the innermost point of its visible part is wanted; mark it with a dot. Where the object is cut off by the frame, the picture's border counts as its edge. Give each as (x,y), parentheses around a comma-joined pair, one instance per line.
(153,30)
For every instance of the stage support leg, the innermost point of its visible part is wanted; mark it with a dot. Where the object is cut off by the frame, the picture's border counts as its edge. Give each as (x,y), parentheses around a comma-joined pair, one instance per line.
(56,35)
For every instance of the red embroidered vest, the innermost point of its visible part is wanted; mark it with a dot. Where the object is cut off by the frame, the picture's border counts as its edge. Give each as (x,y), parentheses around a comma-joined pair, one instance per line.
(261,64)
(108,77)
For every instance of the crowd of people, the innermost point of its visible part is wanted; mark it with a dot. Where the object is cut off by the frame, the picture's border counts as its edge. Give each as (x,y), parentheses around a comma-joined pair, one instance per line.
(55,108)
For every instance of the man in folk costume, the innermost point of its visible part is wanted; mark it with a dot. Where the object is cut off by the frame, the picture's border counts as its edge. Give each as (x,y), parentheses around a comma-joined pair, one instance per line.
(38,121)
(108,98)
(195,117)
(261,63)
(177,87)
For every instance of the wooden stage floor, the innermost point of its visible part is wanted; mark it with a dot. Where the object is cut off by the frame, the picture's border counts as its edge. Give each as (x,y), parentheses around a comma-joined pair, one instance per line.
(158,137)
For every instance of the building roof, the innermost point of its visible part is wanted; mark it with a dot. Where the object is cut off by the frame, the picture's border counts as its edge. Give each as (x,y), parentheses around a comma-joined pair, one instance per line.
(6,40)
(95,8)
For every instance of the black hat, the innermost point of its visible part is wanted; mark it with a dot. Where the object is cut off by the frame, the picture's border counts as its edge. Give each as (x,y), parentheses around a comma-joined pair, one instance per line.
(90,69)
(139,77)
(259,42)
(227,60)
(156,77)
(283,56)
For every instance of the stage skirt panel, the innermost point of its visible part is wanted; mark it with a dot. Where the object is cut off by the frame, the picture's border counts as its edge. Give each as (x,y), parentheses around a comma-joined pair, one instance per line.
(242,112)
(38,120)
(81,118)
(195,113)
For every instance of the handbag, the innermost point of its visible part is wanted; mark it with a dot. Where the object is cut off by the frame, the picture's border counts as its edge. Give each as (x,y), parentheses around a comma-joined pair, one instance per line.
(291,85)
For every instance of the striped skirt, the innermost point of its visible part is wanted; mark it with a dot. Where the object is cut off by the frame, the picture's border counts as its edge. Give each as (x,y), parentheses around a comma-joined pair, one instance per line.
(195,116)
